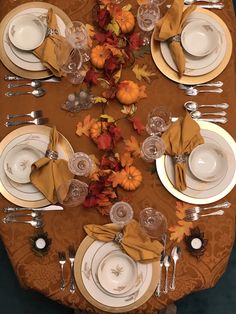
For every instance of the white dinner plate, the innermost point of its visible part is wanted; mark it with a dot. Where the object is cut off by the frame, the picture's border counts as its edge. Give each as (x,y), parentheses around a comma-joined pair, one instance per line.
(199,192)
(26,59)
(196,66)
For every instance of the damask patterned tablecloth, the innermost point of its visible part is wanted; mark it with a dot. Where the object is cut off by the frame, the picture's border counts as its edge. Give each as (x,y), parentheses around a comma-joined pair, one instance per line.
(65,228)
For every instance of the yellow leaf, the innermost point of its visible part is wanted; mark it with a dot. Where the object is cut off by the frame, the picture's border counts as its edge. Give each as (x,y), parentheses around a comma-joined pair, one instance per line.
(141,72)
(117,76)
(126,159)
(113,27)
(83,127)
(90,32)
(129,110)
(133,146)
(127,7)
(107,117)
(181,208)
(98,99)
(142,92)
(178,231)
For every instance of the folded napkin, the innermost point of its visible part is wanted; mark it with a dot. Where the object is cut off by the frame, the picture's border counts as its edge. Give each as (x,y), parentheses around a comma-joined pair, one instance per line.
(169,28)
(132,240)
(46,52)
(48,173)
(180,139)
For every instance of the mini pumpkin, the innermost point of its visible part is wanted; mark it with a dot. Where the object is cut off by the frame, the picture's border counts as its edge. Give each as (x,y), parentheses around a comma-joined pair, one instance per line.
(96,129)
(128,92)
(98,56)
(132,180)
(126,21)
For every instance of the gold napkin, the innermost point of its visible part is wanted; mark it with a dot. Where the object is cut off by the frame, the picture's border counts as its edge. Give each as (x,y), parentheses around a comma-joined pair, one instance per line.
(46,52)
(134,241)
(180,139)
(169,27)
(47,174)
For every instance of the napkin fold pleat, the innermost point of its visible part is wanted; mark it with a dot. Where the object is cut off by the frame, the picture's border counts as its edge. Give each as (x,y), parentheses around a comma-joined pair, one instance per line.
(170,25)
(180,139)
(134,242)
(48,174)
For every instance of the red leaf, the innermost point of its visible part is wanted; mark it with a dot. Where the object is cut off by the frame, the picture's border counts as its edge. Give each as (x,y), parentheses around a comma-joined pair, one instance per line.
(115,132)
(109,162)
(104,142)
(135,41)
(103,17)
(90,201)
(111,65)
(91,77)
(137,125)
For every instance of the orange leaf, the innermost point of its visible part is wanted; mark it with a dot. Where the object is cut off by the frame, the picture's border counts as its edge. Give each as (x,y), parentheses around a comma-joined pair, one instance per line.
(178,231)
(116,178)
(142,92)
(181,208)
(83,127)
(126,159)
(133,146)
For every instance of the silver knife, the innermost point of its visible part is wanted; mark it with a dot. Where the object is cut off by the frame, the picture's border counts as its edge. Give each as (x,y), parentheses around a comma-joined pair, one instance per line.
(10,77)
(47,208)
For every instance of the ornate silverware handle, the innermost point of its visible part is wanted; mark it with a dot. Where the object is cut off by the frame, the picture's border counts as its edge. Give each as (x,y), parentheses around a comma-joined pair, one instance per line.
(13,123)
(47,208)
(218,213)
(222,106)
(215,84)
(222,205)
(10,77)
(158,288)
(62,285)
(212,6)
(215,120)
(72,278)
(172,285)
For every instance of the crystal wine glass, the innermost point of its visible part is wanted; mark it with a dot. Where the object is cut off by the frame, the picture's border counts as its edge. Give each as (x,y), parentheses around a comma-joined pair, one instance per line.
(152,148)
(72,193)
(121,213)
(148,14)
(80,164)
(153,222)
(159,120)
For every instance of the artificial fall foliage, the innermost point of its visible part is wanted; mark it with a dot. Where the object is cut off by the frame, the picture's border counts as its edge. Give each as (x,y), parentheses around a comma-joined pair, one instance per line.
(133,146)
(142,72)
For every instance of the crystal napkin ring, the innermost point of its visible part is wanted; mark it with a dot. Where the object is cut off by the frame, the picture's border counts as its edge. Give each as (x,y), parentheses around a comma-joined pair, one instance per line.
(174,38)
(51,154)
(118,237)
(51,31)
(180,159)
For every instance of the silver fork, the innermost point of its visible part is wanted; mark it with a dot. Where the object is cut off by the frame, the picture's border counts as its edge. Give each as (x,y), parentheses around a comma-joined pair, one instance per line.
(33,114)
(37,121)
(62,261)
(72,276)
(196,216)
(36,215)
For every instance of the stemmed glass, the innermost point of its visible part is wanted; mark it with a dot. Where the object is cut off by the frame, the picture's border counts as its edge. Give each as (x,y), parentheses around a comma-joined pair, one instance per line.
(153,223)
(159,120)
(80,164)
(77,36)
(72,193)
(121,213)
(152,148)
(148,14)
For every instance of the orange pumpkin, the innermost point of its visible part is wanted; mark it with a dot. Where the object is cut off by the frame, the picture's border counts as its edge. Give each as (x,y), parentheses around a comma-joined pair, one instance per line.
(98,56)
(132,180)
(126,21)
(128,92)
(96,129)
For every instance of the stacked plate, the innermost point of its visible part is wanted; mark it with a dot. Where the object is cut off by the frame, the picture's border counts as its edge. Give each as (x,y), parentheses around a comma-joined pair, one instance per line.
(200,188)
(203,62)
(24,62)
(19,149)
(110,280)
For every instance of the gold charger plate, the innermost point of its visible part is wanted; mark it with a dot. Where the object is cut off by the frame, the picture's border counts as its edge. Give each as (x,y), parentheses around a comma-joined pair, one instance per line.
(31,131)
(85,244)
(173,75)
(3,56)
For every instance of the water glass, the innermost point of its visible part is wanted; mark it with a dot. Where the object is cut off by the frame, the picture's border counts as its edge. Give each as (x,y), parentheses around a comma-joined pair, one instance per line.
(121,213)
(80,164)
(153,223)
(72,193)
(159,120)
(152,148)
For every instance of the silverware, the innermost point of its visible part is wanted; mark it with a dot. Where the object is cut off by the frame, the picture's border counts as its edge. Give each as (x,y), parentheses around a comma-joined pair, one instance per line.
(188,2)
(193,106)
(198,114)
(47,208)
(167,265)
(37,223)
(198,209)
(15,215)
(10,77)
(196,216)
(175,254)
(195,91)
(62,261)
(72,277)
(36,92)
(164,239)
(34,84)
(215,84)
(222,120)
(158,288)
(37,121)
(218,6)
(32,114)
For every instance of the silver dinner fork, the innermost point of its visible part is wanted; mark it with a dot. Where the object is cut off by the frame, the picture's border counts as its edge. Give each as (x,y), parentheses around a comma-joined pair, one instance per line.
(196,216)
(37,121)
(33,114)
(62,261)
(72,276)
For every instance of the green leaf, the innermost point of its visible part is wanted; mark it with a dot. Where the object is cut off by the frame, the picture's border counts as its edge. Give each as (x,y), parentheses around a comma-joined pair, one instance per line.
(113,27)
(142,51)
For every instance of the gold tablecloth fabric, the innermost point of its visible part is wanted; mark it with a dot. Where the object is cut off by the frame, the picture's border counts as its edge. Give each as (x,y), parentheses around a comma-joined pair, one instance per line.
(66,228)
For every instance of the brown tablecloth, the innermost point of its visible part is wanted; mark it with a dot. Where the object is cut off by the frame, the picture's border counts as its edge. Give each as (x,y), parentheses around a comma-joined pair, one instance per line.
(65,228)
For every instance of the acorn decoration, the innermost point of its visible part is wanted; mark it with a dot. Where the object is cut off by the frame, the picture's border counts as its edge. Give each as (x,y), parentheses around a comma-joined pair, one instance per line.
(40,244)
(195,242)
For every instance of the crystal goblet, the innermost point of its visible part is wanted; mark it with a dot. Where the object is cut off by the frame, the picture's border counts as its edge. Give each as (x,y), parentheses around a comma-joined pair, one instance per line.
(121,213)
(153,223)
(80,164)
(159,120)
(152,148)
(72,193)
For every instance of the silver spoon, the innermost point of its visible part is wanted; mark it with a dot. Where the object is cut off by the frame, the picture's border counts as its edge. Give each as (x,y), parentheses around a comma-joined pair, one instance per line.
(198,209)
(34,84)
(33,214)
(196,216)
(193,106)
(215,84)
(158,288)
(175,254)
(167,265)
(36,92)
(188,2)
(34,223)
(198,114)
(195,92)
(222,120)
(33,114)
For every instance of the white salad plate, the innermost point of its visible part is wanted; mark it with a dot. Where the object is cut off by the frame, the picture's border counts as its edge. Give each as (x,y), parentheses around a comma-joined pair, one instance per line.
(197,191)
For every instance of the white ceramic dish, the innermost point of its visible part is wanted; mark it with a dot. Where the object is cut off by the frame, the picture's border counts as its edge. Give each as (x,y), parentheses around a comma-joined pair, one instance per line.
(26,31)
(18,161)
(208,162)
(196,66)
(117,273)
(26,59)
(200,192)
(199,38)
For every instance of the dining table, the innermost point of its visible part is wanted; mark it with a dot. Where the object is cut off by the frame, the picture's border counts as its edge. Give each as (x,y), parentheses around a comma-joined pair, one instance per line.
(66,227)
